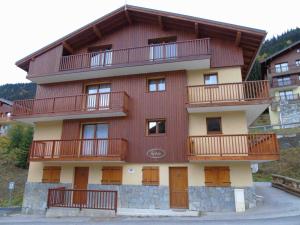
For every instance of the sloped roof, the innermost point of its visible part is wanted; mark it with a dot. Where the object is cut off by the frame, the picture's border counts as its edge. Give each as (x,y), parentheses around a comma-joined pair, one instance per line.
(249,39)
(6,101)
(276,54)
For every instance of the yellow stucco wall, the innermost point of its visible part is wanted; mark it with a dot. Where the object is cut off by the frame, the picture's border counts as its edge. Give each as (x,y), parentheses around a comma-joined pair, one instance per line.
(47,130)
(240,172)
(35,172)
(233,122)
(225,75)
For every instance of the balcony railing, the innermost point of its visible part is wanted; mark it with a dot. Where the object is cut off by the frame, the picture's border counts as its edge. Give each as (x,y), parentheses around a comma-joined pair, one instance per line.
(150,54)
(89,199)
(290,68)
(233,147)
(228,92)
(82,104)
(281,82)
(113,149)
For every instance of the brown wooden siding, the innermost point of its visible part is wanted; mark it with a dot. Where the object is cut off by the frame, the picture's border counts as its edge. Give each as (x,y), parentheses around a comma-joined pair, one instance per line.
(224,53)
(46,63)
(144,105)
(289,57)
(137,35)
(58,89)
(71,130)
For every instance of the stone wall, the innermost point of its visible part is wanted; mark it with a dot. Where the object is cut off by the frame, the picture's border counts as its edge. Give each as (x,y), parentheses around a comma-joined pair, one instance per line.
(289,112)
(35,197)
(138,196)
(218,199)
(207,199)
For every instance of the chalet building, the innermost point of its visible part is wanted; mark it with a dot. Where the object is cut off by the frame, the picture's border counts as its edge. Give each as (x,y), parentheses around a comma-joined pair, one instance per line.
(282,69)
(145,109)
(5,113)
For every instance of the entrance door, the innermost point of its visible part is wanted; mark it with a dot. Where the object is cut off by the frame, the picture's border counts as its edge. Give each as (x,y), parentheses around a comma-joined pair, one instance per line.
(95,139)
(80,182)
(178,187)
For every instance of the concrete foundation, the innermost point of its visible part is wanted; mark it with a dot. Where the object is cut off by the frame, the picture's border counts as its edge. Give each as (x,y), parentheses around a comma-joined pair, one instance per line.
(205,199)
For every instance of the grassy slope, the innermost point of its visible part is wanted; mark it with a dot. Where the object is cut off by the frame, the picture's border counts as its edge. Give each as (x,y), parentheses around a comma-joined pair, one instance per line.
(288,165)
(8,172)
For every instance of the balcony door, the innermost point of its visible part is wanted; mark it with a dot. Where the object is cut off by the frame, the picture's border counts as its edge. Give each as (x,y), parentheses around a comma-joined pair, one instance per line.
(98,97)
(100,56)
(95,139)
(162,48)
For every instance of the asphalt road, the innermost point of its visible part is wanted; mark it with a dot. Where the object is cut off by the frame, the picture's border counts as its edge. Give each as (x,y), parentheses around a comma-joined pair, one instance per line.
(291,220)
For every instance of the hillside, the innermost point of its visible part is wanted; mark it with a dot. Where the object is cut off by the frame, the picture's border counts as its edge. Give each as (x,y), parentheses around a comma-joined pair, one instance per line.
(17,91)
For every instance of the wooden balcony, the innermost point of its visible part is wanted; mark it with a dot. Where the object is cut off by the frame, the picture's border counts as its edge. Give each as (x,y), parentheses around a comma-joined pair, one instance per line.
(290,69)
(112,149)
(191,54)
(251,147)
(230,97)
(111,104)
(280,83)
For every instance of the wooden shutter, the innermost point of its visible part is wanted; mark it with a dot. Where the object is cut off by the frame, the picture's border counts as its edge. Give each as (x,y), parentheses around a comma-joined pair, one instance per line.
(223,176)
(217,176)
(111,175)
(51,174)
(211,177)
(150,175)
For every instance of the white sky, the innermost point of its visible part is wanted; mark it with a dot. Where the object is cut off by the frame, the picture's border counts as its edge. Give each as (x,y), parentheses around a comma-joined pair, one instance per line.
(27,25)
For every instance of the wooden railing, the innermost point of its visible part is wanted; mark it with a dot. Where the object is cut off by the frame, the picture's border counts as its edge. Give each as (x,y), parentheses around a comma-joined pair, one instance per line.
(233,145)
(287,184)
(97,149)
(292,97)
(149,54)
(292,68)
(89,199)
(278,82)
(84,103)
(228,92)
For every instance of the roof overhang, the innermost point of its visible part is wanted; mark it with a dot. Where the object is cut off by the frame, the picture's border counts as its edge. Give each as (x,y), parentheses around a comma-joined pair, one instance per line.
(249,39)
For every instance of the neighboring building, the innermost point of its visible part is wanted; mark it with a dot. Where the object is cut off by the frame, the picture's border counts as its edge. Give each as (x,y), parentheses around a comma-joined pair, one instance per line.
(5,113)
(282,69)
(149,103)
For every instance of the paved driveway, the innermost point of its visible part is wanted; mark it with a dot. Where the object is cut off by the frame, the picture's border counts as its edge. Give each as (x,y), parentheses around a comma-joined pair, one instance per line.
(279,208)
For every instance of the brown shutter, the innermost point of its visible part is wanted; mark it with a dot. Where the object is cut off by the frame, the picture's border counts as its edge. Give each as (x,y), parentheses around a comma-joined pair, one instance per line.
(150,175)
(224,176)
(210,176)
(112,175)
(51,174)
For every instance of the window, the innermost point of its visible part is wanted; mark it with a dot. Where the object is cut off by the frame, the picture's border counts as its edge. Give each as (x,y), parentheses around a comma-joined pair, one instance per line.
(51,174)
(286,95)
(281,67)
(111,175)
(284,81)
(162,48)
(217,176)
(95,139)
(210,79)
(214,125)
(158,84)
(156,127)
(98,96)
(100,55)
(297,62)
(150,175)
